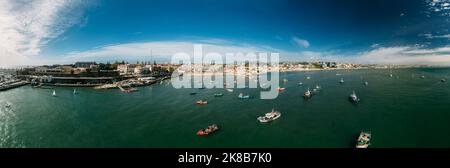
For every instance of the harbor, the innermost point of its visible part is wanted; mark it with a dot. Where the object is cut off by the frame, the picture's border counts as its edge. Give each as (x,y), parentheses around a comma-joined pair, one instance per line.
(399,111)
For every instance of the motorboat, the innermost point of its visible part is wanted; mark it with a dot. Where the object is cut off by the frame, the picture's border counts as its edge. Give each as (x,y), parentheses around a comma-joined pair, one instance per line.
(229,90)
(201,102)
(241,96)
(442,80)
(218,95)
(308,77)
(208,130)
(280,89)
(363,140)
(307,94)
(192,93)
(341,81)
(54,93)
(270,116)
(366,83)
(353,98)
(300,83)
(317,87)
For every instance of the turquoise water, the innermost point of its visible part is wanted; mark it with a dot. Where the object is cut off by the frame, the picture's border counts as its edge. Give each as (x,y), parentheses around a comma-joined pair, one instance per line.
(402,111)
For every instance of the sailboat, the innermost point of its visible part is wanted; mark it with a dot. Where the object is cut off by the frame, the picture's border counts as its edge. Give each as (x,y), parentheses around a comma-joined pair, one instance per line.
(54,93)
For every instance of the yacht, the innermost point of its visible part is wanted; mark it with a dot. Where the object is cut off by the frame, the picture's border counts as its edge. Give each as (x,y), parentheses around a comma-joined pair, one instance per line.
(270,116)
(363,140)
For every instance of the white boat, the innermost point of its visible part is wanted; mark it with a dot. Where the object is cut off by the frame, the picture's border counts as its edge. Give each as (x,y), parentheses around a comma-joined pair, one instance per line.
(363,140)
(241,96)
(308,77)
(390,75)
(54,93)
(270,116)
(317,87)
(300,83)
(341,81)
(442,80)
(366,83)
(230,90)
(353,97)
(307,94)
(74,91)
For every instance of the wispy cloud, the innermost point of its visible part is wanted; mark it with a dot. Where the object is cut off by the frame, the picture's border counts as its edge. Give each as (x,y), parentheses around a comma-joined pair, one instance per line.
(300,42)
(431,36)
(28,25)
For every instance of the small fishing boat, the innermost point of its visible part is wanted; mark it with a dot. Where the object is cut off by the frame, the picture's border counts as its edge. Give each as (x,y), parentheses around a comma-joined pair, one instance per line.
(74,91)
(307,94)
(129,90)
(341,81)
(54,93)
(423,77)
(308,77)
(366,83)
(353,98)
(229,90)
(208,130)
(280,89)
(300,83)
(201,102)
(270,116)
(241,96)
(363,140)
(442,80)
(218,95)
(390,75)
(192,93)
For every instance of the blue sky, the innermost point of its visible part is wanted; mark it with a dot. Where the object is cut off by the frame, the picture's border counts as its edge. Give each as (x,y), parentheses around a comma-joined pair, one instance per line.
(372,31)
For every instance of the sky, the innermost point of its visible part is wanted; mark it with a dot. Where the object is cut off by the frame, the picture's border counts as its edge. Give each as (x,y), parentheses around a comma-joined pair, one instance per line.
(371,31)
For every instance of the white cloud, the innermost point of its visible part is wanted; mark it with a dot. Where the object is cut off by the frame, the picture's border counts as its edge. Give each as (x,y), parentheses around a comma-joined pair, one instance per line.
(406,55)
(300,42)
(28,25)
(431,36)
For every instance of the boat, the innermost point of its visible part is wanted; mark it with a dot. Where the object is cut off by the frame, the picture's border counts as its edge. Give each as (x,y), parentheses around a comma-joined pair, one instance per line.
(241,96)
(341,81)
(218,95)
(366,83)
(285,80)
(300,83)
(280,89)
(201,102)
(307,94)
(423,77)
(317,87)
(353,98)
(442,80)
(74,91)
(363,140)
(390,75)
(308,77)
(54,93)
(270,116)
(129,90)
(208,130)
(229,90)
(192,93)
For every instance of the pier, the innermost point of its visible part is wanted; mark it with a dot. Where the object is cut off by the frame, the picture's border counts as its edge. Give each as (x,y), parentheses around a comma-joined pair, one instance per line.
(12,84)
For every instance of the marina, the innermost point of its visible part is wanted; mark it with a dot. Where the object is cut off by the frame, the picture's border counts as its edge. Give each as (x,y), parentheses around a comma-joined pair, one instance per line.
(161,116)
